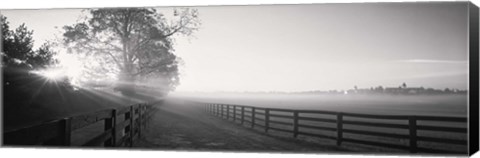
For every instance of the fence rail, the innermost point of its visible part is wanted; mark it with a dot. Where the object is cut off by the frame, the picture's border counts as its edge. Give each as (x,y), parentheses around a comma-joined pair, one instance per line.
(300,122)
(116,131)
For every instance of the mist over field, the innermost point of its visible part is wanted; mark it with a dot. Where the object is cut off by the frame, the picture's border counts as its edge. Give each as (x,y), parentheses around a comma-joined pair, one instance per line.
(440,105)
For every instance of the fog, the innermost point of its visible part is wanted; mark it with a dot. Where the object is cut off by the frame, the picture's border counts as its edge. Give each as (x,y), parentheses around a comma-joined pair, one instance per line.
(437,105)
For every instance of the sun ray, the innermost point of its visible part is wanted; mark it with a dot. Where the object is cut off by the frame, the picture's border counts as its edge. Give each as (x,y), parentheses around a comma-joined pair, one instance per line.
(59,90)
(37,92)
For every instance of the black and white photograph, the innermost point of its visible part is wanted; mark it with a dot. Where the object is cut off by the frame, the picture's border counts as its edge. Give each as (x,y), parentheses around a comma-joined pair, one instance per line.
(388,78)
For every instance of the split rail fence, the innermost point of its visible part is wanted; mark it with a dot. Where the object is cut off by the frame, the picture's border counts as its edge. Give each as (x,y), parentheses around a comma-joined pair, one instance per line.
(306,122)
(121,128)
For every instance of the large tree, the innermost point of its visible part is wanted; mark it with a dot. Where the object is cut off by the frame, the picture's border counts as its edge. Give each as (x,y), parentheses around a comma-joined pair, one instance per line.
(133,43)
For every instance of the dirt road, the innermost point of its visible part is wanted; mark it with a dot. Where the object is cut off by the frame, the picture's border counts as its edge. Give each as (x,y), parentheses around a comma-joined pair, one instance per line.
(181,125)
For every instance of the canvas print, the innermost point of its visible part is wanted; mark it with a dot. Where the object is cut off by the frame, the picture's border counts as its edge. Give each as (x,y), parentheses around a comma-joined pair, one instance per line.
(355,78)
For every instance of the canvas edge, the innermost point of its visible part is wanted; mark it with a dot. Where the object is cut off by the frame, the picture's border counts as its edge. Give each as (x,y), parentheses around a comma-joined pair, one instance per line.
(473,39)
(473,53)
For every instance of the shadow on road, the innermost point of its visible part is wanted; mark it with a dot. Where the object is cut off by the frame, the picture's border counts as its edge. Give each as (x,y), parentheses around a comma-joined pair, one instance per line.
(183,125)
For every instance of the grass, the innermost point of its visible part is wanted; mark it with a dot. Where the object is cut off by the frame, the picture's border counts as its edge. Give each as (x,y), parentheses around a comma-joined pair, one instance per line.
(437,105)
(36,100)
(31,100)
(361,147)
(446,105)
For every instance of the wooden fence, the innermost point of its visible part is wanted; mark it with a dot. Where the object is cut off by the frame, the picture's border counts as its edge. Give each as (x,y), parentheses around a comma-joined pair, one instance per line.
(303,122)
(121,128)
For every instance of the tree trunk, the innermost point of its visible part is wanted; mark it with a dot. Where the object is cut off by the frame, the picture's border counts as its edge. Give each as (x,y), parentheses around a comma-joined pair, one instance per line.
(126,82)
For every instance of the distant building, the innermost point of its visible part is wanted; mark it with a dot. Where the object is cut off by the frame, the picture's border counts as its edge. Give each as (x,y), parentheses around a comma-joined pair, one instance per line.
(391,90)
(404,90)
(414,90)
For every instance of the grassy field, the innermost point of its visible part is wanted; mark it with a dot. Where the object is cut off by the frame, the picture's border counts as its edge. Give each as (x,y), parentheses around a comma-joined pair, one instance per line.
(433,105)
(52,102)
(436,105)
(82,101)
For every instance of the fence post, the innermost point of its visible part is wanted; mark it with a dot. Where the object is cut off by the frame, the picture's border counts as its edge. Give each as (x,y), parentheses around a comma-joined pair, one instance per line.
(110,125)
(339,128)
(67,132)
(228,112)
(148,113)
(253,117)
(243,114)
(126,130)
(222,110)
(132,116)
(140,116)
(144,119)
(234,113)
(412,123)
(214,109)
(295,124)
(267,116)
(145,114)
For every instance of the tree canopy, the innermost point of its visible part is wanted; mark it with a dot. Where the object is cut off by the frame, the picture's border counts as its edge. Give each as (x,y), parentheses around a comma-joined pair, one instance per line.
(17,51)
(19,60)
(132,43)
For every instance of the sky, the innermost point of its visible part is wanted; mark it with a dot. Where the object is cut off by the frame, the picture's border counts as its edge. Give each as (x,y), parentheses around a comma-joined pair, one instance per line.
(309,47)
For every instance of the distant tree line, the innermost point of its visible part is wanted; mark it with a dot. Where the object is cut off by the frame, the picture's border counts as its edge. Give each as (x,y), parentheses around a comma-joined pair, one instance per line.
(400,90)
(404,90)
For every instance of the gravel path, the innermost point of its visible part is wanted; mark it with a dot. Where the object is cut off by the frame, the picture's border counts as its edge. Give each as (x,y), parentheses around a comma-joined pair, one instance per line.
(180,125)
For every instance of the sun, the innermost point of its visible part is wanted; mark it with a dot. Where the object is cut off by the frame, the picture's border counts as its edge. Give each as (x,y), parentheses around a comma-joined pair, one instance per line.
(69,67)
(70,62)
(51,74)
